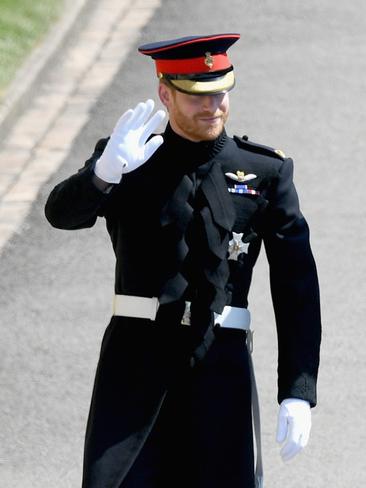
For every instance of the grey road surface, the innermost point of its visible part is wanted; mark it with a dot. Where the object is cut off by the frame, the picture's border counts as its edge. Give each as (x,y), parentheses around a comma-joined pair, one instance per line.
(301,83)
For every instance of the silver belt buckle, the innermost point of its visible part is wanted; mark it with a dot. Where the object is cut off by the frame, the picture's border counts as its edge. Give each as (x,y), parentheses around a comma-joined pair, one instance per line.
(186,319)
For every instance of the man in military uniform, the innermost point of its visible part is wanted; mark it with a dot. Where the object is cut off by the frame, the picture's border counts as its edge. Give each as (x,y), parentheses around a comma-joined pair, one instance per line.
(187,212)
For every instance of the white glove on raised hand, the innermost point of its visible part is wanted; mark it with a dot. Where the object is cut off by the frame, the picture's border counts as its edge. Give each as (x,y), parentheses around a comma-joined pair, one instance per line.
(293,428)
(127,148)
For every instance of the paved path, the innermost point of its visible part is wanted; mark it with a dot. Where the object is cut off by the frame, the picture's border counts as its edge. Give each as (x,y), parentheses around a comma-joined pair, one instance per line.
(40,140)
(301,84)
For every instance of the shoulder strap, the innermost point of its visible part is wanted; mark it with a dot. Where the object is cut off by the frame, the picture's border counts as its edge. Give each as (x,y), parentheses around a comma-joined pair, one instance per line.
(259,148)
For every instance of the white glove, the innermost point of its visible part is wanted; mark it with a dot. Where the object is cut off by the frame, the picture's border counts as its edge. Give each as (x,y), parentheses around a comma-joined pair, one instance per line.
(294,424)
(127,148)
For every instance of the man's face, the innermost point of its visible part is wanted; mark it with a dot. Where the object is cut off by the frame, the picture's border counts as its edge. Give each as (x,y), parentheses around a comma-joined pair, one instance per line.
(195,117)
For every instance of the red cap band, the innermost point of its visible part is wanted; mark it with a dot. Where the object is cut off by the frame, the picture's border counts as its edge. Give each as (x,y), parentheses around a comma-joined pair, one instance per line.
(204,64)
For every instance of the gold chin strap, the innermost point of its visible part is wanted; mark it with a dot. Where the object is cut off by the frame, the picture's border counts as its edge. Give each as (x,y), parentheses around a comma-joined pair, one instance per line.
(219,85)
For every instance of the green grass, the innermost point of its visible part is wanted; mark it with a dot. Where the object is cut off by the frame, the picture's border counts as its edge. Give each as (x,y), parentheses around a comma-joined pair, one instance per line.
(23,24)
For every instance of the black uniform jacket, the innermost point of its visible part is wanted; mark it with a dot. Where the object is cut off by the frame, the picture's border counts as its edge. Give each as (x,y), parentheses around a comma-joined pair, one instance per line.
(146,215)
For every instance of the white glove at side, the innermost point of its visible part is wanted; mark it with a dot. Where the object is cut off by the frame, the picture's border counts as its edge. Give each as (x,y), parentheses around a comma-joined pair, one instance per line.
(127,148)
(294,424)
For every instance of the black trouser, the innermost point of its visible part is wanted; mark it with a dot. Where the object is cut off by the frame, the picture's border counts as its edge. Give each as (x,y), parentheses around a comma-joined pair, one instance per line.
(202,437)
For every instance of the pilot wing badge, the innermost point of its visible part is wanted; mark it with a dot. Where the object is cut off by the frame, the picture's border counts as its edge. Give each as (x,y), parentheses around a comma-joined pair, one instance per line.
(242,188)
(240,176)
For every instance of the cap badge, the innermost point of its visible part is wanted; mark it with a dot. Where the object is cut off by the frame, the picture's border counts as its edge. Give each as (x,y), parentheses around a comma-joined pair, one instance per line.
(209,60)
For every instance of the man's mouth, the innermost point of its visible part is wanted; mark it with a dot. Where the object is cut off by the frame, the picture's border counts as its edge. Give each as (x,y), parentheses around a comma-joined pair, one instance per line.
(211,119)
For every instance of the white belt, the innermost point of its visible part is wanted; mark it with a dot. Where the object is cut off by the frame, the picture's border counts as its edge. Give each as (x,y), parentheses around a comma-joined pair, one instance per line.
(146,308)
(234,318)
(231,317)
(137,307)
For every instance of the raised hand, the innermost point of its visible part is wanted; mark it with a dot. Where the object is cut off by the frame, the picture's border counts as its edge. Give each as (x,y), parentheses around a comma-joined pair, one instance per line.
(127,148)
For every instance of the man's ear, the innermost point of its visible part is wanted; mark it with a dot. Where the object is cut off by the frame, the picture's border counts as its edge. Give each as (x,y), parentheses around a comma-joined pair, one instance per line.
(164,94)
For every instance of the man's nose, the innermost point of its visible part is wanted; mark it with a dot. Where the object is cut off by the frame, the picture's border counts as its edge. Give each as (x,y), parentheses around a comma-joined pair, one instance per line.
(209,102)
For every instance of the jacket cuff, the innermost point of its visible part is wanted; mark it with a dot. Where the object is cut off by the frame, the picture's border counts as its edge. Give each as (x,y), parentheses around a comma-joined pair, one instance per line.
(85,180)
(303,387)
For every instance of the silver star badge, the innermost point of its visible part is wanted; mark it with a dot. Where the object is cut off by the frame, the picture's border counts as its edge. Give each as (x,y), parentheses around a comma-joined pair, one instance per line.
(237,246)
